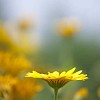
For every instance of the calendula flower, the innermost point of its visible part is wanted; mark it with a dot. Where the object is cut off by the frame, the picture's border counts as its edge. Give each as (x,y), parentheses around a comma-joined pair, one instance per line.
(57,80)
(81,93)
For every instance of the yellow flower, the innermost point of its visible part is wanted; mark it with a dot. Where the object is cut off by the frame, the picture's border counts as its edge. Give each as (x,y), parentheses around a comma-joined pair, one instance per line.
(57,80)
(14,88)
(24,89)
(7,79)
(68,27)
(12,63)
(25,24)
(6,83)
(81,93)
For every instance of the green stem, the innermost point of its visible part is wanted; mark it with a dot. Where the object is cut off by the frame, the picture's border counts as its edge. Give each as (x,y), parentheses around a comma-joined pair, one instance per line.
(55,93)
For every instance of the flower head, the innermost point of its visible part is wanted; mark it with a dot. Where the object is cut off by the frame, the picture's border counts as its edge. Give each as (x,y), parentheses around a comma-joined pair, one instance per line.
(25,24)
(25,89)
(14,88)
(81,94)
(58,80)
(68,27)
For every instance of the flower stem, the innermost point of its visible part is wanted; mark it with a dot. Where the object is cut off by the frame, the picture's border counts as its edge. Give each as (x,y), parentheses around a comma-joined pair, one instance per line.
(55,94)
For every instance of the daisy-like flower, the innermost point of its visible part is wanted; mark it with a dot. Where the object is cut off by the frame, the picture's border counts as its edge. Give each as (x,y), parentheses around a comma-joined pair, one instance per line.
(57,80)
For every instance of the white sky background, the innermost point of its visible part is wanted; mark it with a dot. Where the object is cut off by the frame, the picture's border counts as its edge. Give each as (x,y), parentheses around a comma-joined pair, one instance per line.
(47,11)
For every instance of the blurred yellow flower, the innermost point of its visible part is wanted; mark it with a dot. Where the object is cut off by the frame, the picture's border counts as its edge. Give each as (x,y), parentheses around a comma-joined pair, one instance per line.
(21,40)
(81,94)
(6,83)
(28,40)
(25,24)
(68,27)
(14,88)
(25,89)
(7,79)
(12,63)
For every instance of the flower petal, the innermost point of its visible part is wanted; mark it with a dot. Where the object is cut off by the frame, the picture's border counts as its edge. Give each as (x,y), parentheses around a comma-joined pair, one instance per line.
(70,71)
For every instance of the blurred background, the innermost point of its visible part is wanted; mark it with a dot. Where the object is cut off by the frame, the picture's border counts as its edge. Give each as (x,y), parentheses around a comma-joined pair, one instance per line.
(48,35)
